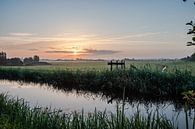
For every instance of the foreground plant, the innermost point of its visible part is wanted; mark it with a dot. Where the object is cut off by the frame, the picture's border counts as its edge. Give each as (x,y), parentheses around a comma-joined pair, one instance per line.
(16,114)
(189,98)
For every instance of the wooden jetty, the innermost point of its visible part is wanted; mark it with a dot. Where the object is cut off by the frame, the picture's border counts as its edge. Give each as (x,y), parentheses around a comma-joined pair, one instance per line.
(117,63)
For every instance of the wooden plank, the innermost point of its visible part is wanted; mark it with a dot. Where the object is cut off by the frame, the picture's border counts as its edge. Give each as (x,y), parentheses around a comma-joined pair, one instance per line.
(114,63)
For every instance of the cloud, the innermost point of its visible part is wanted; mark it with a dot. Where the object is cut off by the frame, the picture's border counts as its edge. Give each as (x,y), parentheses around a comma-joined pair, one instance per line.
(68,52)
(139,35)
(21,34)
(53,48)
(86,51)
(53,44)
(33,49)
(27,38)
(100,52)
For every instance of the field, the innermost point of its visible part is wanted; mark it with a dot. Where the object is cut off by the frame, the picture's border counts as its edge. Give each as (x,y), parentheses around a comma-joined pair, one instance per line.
(142,79)
(102,65)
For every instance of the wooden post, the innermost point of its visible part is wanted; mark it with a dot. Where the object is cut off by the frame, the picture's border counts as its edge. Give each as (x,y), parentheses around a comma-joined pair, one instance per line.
(111,66)
(117,64)
(124,64)
(121,64)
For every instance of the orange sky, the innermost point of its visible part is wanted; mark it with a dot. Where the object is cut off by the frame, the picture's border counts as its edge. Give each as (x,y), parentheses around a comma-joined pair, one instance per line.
(95,29)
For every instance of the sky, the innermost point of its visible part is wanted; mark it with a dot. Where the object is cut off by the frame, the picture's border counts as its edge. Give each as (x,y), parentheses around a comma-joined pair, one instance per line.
(96,29)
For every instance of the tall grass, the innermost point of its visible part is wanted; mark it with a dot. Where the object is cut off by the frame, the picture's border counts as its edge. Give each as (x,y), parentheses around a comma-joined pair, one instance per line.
(144,83)
(16,114)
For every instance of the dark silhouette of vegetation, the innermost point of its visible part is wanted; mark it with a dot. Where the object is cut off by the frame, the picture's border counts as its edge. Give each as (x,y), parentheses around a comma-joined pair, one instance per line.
(31,61)
(3,58)
(36,58)
(18,62)
(28,60)
(191,31)
(14,61)
(187,0)
(189,58)
(192,58)
(140,83)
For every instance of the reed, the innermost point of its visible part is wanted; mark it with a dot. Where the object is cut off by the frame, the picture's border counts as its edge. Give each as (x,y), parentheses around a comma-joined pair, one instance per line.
(16,114)
(143,82)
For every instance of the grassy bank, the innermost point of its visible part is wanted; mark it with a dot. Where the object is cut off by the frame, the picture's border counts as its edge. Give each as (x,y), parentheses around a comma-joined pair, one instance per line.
(143,83)
(102,65)
(16,114)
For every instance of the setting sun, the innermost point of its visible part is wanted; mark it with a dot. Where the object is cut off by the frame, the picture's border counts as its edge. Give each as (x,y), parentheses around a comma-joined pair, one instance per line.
(104,64)
(75,52)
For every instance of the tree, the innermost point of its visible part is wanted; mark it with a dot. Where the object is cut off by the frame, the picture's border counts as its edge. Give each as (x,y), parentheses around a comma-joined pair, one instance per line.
(28,60)
(14,61)
(36,58)
(192,58)
(186,0)
(191,31)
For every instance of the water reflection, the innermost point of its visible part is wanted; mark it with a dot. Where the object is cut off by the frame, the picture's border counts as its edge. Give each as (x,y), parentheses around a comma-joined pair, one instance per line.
(70,100)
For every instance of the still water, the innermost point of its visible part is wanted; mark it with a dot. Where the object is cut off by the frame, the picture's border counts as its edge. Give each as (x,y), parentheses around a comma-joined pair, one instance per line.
(73,100)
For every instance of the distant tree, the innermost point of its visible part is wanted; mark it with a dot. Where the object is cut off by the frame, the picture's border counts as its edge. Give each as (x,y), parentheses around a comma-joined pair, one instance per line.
(3,58)
(14,61)
(189,58)
(36,58)
(192,58)
(28,60)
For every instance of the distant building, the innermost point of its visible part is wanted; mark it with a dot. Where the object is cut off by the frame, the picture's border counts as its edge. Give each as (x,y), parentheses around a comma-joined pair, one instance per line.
(2,56)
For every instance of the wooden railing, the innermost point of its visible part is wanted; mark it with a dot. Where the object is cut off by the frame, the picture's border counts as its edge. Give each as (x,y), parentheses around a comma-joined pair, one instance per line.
(117,63)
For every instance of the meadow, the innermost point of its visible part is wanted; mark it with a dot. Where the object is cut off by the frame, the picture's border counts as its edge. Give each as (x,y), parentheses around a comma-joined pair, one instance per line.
(102,65)
(142,79)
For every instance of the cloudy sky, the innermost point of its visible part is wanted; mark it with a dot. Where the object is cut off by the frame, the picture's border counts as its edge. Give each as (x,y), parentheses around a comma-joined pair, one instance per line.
(95,28)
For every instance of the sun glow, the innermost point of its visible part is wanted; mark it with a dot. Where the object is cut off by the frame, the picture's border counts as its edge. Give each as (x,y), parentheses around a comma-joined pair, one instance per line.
(75,52)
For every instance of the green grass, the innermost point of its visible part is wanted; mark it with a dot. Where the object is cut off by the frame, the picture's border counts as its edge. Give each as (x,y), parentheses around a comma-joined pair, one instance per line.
(102,65)
(16,114)
(143,82)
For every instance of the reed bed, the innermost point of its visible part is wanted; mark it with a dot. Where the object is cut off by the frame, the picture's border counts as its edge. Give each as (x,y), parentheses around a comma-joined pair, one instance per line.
(143,82)
(16,114)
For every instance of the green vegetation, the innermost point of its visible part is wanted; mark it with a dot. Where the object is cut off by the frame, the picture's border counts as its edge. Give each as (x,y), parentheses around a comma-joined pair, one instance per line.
(16,114)
(189,98)
(142,82)
(154,65)
(141,79)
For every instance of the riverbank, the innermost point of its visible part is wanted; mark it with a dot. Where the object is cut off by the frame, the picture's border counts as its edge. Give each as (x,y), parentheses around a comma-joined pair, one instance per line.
(140,83)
